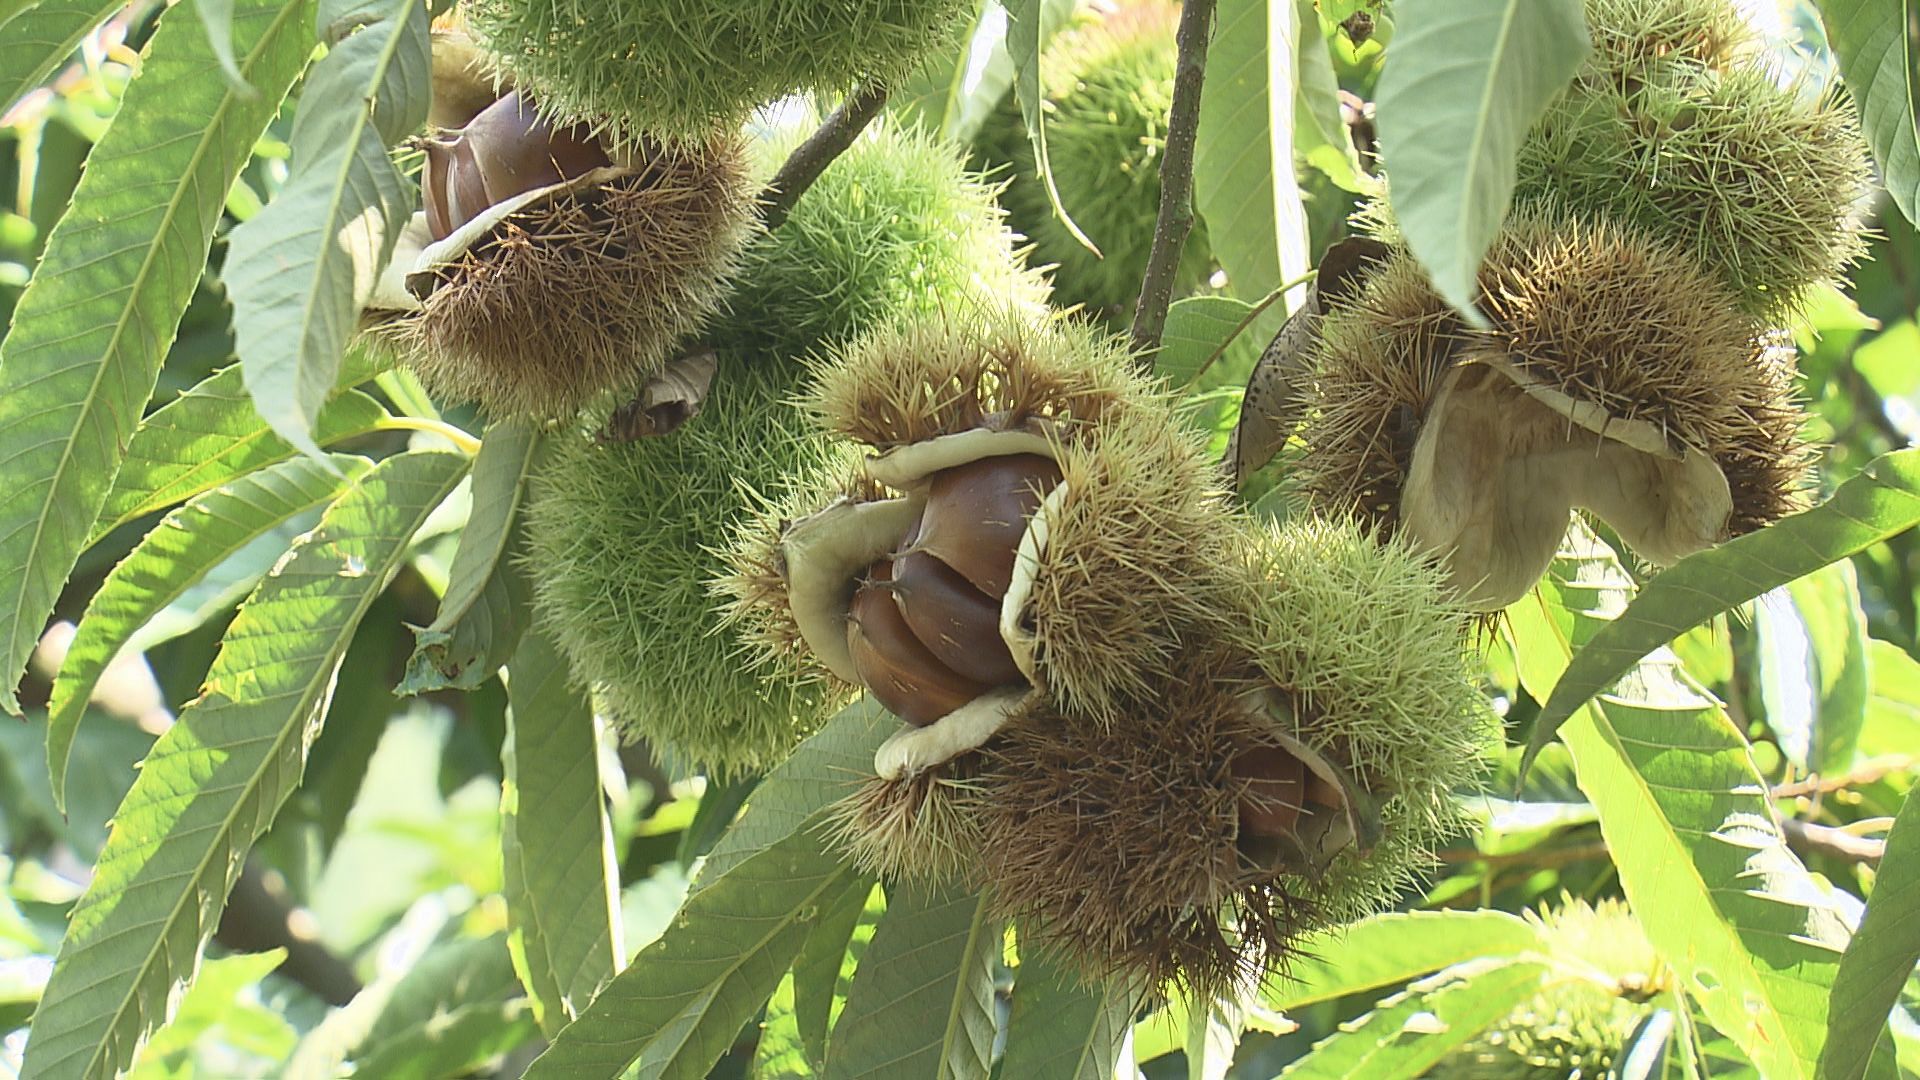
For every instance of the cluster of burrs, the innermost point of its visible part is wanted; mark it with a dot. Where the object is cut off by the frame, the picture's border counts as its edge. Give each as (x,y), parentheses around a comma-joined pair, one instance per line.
(1673,206)
(1166,737)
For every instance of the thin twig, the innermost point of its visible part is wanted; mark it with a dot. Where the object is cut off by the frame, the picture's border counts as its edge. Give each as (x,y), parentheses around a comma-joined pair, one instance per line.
(806,163)
(802,167)
(1837,843)
(1866,772)
(1176,179)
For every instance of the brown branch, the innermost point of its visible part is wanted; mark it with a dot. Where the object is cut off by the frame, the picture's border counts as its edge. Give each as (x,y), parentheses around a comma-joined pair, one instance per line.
(1531,857)
(1811,839)
(258,917)
(1176,180)
(806,163)
(1866,772)
(640,418)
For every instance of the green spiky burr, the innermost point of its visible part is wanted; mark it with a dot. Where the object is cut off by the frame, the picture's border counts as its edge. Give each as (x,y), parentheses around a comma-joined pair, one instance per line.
(682,68)
(1109,84)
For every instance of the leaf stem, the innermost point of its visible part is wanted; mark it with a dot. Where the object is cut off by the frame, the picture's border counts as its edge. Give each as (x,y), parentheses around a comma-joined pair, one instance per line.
(461,440)
(1176,179)
(1265,302)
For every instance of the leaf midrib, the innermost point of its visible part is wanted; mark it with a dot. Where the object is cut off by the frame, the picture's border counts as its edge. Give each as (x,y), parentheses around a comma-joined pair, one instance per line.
(739,961)
(1506,967)
(537,932)
(961,987)
(1102,1020)
(1477,145)
(135,288)
(72,687)
(1908,75)
(333,655)
(165,495)
(397,16)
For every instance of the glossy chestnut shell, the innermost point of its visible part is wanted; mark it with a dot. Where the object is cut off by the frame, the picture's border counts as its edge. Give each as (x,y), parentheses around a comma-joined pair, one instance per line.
(924,627)
(506,150)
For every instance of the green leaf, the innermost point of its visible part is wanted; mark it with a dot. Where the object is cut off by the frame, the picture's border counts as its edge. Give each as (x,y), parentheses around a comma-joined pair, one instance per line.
(952,96)
(213,782)
(821,967)
(300,270)
(1029,24)
(1206,336)
(206,437)
(779,1055)
(217,17)
(1062,1028)
(500,471)
(450,1012)
(1463,83)
(1687,818)
(458,1042)
(1212,1036)
(562,878)
(428,988)
(777,835)
(1243,179)
(719,805)
(1814,668)
(1387,950)
(1871,40)
(1893,709)
(819,773)
(1882,501)
(209,1003)
(682,1001)
(179,551)
(11,8)
(40,36)
(478,644)
(922,1002)
(95,320)
(1320,132)
(105,761)
(1880,958)
(1410,1032)
(486,607)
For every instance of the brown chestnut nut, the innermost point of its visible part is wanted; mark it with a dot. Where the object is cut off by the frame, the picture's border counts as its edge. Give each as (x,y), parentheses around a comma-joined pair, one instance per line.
(506,150)
(900,672)
(958,623)
(977,512)
(1277,785)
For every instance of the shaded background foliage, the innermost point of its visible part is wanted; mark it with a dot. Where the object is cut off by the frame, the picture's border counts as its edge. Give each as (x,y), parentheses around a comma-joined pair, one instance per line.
(400,939)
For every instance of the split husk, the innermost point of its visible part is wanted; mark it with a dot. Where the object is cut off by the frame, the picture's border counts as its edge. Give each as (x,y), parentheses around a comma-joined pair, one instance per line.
(1617,377)
(625,536)
(557,298)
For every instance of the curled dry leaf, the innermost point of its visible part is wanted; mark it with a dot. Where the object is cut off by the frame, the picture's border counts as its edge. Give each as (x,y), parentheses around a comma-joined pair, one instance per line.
(668,400)
(1275,391)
